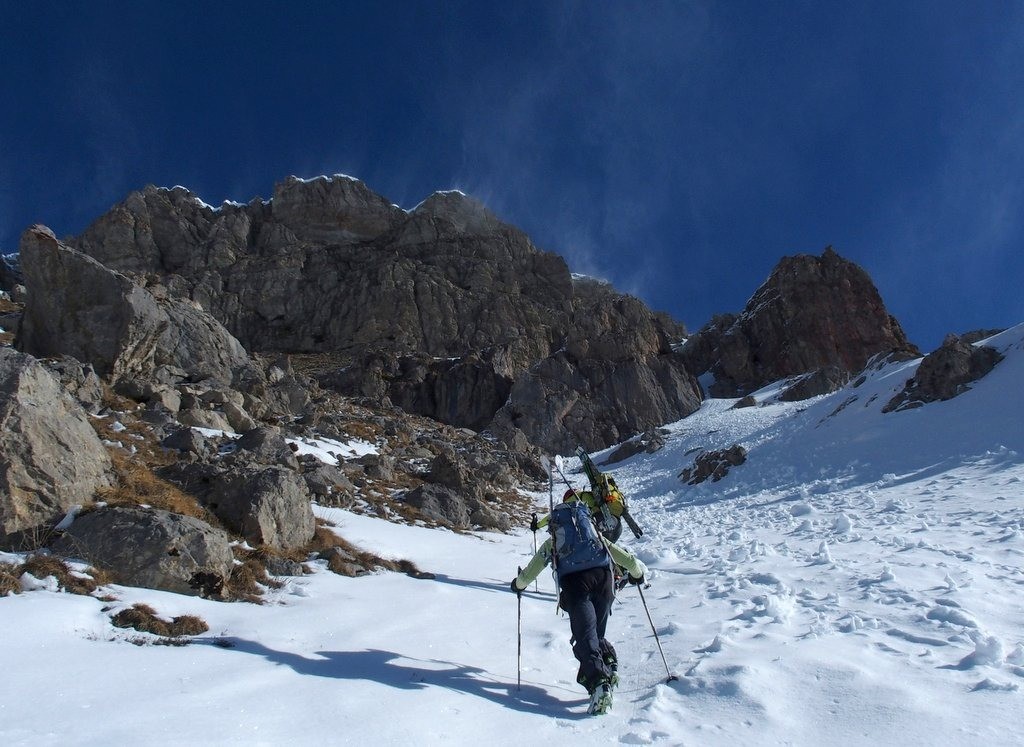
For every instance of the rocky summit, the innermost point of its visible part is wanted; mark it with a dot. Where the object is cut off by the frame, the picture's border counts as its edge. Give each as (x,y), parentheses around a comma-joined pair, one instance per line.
(820,315)
(443,310)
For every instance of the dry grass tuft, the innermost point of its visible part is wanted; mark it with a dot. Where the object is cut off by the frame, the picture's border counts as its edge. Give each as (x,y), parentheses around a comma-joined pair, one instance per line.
(43,566)
(249,579)
(138,485)
(143,618)
(9,579)
(325,540)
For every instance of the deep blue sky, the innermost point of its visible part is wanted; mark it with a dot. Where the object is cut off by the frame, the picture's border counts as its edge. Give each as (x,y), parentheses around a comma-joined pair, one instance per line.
(677,149)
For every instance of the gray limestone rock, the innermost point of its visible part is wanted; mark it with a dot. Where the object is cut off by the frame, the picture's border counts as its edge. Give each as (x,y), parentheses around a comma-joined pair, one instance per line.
(150,548)
(80,380)
(444,310)
(266,505)
(440,504)
(50,456)
(267,446)
(78,307)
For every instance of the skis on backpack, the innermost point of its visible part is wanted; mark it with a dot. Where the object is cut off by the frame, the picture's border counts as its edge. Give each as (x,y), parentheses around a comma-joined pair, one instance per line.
(603,486)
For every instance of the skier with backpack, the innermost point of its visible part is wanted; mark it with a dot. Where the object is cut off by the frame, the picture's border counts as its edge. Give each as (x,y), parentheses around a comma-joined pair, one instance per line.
(582,562)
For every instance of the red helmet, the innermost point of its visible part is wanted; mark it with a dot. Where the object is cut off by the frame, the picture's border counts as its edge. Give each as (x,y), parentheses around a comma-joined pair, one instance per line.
(570,493)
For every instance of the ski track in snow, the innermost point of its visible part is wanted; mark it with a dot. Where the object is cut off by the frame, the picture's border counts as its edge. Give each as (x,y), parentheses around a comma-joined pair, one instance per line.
(859,580)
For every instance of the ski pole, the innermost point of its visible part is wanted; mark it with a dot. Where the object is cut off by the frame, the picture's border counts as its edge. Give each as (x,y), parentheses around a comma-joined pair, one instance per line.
(536,587)
(656,639)
(565,479)
(519,638)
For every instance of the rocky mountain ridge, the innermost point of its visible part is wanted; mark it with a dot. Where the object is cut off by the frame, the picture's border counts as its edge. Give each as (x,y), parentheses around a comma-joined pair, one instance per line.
(175,358)
(444,308)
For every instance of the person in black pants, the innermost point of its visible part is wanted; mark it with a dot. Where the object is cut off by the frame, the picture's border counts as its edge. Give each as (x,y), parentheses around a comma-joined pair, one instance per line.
(587,596)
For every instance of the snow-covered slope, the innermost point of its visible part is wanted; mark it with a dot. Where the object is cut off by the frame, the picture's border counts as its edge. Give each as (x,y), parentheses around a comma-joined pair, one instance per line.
(857,581)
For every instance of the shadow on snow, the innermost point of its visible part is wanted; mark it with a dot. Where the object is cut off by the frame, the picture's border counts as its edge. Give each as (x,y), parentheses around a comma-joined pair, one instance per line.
(418,674)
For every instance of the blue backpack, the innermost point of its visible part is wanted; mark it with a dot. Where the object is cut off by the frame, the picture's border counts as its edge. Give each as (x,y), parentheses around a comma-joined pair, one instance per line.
(576,543)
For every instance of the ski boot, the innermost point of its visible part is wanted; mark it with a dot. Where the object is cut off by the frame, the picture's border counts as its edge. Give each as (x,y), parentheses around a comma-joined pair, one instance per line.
(600,699)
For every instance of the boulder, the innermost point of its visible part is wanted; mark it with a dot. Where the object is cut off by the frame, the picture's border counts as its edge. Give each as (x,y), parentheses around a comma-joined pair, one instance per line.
(329,486)
(378,466)
(50,456)
(646,443)
(239,420)
(150,548)
(202,418)
(189,441)
(812,313)
(487,517)
(267,446)
(945,373)
(448,470)
(266,505)
(278,566)
(713,465)
(440,504)
(446,506)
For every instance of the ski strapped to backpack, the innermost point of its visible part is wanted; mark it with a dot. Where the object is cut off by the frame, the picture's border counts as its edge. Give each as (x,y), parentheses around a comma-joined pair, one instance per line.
(551,507)
(607,492)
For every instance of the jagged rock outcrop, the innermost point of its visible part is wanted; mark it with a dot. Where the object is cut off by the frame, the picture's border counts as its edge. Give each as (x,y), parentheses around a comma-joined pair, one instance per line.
(617,374)
(443,279)
(945,373)
(812,313)
(443,310)
(50,456)
(79,308)
(150,548)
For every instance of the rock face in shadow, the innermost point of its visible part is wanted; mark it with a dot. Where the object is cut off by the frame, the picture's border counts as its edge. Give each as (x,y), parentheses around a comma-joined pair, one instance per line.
(615,375)
(945,373)
(812,314)
(443,310)
(50,456)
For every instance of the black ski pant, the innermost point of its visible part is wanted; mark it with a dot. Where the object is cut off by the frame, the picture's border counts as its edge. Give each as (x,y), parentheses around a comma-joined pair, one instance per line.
(587,597)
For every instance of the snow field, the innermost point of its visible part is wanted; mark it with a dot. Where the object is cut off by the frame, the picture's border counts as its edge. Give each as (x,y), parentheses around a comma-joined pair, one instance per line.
(858,581)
